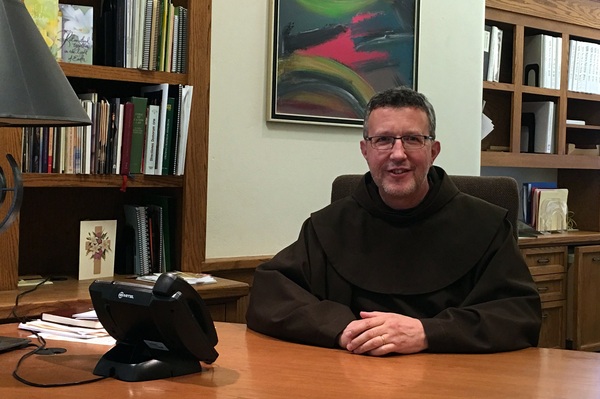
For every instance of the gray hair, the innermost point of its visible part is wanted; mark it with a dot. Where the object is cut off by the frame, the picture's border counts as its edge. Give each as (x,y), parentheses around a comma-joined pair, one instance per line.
(400,97)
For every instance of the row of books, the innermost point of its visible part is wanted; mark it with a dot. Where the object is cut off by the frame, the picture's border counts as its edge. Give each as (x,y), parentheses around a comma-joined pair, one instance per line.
(584,67)
(144,34)
(545,206)
(542,61)
(492,51)
(138,134)
(538,127)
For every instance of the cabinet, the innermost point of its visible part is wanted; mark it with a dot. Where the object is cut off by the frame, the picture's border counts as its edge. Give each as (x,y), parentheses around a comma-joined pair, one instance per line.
(568,20)
(44,239)
(566,270)
(585,298)
(548,267)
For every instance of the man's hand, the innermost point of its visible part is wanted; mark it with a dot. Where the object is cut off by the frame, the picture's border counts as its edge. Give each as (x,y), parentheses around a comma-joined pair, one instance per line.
(379,333)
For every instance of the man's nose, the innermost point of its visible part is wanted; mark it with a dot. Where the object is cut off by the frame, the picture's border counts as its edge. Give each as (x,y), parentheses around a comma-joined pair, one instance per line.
(397,150)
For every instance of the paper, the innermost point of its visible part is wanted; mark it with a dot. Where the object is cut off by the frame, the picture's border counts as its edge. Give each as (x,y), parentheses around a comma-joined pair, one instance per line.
(190,278)
(486,125)
(97,248)
(61,330)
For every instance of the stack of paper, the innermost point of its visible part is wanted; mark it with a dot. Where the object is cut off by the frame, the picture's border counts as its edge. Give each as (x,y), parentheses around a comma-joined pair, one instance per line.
(191,278)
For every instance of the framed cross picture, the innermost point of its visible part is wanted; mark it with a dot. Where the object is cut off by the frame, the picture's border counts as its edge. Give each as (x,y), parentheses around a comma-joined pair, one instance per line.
(329,57)
(97,240)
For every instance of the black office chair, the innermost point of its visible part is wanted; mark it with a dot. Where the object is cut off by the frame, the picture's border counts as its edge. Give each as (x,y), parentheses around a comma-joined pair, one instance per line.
(499,190)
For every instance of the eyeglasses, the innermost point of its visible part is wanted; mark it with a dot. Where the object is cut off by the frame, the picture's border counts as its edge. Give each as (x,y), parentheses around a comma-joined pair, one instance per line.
(409,141)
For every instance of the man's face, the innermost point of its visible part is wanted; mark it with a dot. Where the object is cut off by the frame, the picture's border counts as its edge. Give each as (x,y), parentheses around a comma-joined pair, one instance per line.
(400,175)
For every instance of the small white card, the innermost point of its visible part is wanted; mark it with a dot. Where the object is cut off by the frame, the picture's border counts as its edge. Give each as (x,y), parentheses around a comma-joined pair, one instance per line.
(97,239)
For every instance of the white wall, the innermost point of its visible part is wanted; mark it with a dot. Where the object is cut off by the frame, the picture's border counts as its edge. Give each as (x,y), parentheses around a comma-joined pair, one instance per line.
(264,179)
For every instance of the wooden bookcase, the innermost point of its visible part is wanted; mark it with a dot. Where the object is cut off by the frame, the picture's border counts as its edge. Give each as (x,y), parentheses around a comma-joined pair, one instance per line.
(569,317)
(567,19)
(44,239)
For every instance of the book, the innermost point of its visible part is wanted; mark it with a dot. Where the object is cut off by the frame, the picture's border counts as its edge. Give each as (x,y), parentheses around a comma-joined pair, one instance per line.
(487,32)
(68,320)
(137,133)
(493,73)
(545,114)
(45,15)
(125,167)
(159,95)
(168,153)
(185,109)
(167,206)
(151,139)
(77,33)
(542,58)
(527,197)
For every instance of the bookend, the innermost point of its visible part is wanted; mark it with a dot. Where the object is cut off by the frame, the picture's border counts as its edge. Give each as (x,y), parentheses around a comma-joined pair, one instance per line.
(162,331)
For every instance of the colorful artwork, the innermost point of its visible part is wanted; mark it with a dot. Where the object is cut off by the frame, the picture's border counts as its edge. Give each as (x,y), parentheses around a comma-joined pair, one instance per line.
(330,57)
(45,15)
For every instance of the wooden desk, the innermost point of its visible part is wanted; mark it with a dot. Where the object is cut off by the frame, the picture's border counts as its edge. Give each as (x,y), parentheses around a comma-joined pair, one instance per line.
(226,299)
(251,365)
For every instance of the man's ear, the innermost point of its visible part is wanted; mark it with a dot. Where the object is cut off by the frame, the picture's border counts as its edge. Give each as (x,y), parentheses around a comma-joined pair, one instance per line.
(363,148)
(436,147)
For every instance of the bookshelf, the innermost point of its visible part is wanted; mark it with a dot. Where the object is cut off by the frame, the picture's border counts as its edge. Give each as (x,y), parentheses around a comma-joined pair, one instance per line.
(562,265)
(43,240)
(569,20)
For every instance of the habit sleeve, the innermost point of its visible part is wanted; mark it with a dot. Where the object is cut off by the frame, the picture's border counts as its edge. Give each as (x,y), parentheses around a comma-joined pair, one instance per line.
(289,296)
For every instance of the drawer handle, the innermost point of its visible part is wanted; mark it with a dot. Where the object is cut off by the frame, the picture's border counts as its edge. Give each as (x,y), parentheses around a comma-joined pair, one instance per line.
(542,289)
(544,315)
(596,259)
(543,261)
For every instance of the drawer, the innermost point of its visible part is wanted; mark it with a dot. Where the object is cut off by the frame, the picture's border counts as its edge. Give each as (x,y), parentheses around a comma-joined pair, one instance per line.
(546,260)
(551,287)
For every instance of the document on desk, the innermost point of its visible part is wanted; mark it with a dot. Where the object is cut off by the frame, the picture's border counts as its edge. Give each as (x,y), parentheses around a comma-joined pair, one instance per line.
(58,330)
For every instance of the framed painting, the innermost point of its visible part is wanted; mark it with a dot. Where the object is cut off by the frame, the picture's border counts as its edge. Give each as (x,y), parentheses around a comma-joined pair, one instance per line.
(329,57)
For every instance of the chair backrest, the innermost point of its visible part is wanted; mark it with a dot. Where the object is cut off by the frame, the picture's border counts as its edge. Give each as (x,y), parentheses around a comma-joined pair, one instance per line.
(499,190)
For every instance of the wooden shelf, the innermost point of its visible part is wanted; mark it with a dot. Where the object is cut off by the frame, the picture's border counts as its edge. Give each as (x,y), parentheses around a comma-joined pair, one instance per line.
(526,160)
(70,180)
(122,74)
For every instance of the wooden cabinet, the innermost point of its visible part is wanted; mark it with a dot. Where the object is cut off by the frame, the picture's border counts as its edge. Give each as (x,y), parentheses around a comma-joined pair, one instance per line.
(566,270)
(548,266)
(585,298)
(44,240)
(568,20)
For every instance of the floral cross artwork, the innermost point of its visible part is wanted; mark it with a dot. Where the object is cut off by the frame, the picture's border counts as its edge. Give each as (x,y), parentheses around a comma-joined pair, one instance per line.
(97,244)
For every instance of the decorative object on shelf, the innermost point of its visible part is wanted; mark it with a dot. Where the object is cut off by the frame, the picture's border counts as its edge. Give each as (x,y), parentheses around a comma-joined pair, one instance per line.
(329,58)
(35,91)
(97,252)
(45,15)
(77,33)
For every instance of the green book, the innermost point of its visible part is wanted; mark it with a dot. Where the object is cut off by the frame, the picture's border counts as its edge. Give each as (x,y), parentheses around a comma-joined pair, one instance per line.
(168,153)
(138,133)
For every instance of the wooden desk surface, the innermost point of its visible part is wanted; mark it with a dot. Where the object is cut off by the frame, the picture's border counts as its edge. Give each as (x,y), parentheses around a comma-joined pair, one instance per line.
(74,294)
(251,365)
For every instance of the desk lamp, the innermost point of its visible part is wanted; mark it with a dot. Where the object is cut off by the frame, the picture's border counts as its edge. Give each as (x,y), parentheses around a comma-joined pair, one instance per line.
(34,91)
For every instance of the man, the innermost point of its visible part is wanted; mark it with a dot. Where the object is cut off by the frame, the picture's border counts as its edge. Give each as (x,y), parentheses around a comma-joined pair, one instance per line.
(407,263)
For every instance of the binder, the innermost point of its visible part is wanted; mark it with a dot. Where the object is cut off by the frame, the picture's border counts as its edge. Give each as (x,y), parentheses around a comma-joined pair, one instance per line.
(136,217)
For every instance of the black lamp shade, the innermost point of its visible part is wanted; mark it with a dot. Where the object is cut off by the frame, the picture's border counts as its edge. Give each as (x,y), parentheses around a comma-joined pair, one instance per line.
(33,88)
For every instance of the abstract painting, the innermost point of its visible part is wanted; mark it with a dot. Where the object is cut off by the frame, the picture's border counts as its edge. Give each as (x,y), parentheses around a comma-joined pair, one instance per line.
(328,57)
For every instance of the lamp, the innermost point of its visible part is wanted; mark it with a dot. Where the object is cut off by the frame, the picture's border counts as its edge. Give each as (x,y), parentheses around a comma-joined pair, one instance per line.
(34,91)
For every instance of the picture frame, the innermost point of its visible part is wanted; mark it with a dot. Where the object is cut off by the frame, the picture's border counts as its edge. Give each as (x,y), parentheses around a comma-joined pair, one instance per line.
(327,59)
(97,240)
